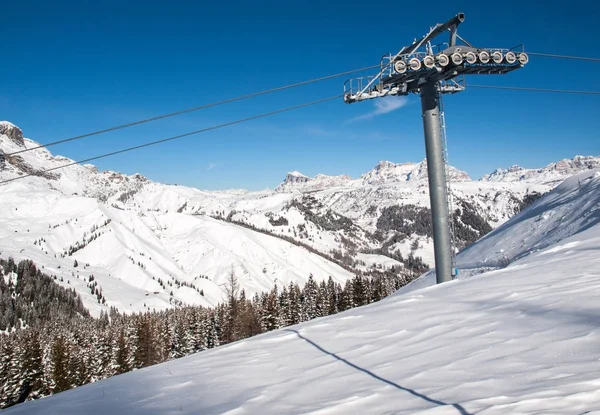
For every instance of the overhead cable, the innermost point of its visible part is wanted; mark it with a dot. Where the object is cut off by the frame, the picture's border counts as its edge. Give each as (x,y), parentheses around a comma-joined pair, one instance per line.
(551,55)
(516,88)
(152,143)
(201,107)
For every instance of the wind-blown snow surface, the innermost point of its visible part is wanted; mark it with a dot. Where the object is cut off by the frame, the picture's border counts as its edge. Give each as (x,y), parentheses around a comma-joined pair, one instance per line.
(523,339)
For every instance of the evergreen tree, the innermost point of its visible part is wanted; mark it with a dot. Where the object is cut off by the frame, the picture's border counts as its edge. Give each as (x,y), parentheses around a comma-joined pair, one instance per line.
(309,305)
(9,372)
(322,300)
(32,374)
(270,318)
(232,290)
(60,365)
(121,356)
(347,297)
(143,347)
(333,291)
(359,291)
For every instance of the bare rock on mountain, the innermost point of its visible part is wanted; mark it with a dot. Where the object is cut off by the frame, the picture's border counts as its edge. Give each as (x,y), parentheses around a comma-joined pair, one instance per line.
(388,172)
(13,132)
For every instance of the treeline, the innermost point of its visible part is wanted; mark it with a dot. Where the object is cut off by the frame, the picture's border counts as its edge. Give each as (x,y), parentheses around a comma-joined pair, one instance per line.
(72,349)
(402,221)
(329,221)
(412,265)
(28,296)
(344,264)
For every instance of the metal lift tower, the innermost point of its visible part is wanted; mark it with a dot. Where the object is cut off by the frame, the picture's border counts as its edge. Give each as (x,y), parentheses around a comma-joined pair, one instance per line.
(430,71)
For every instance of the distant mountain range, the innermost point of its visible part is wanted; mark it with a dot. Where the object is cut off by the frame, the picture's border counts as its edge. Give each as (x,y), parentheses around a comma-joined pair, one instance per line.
(150,245)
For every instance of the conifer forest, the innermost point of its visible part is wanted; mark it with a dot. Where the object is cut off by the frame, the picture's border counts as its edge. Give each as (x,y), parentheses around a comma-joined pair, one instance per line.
(50,343)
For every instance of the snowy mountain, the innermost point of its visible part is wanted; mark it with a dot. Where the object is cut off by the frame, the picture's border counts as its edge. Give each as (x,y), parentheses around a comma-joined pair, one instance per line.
(553,173)
(388,172)
(152,246)
(132,236)
(519,336)
(385,172)
(296,181)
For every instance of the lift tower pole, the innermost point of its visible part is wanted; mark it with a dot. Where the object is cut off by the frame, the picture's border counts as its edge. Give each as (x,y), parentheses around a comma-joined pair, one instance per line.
(436,170)
(430,71)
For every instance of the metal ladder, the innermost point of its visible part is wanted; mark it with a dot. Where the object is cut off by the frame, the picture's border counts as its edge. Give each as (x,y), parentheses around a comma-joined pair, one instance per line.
(449,199)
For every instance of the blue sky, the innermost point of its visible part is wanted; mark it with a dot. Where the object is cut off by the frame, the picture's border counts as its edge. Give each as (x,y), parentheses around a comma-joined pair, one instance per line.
(74,67)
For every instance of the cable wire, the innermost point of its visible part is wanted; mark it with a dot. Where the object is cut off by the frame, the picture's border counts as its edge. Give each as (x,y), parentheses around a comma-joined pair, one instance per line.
(151,143)
(551,55)
(247,96)
(201,107)
(516,88)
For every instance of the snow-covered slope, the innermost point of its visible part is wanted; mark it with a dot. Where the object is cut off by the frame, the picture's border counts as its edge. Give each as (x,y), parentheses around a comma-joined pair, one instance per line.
(133,236)
(522,339)
(571,208)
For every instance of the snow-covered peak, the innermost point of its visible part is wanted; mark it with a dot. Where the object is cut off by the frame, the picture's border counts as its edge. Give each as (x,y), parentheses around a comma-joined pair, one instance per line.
(295,181)
(296,177)
(296,173)
(388,172)
(553,173)
(292,179)
(11,131)
(76,179)
(569,166)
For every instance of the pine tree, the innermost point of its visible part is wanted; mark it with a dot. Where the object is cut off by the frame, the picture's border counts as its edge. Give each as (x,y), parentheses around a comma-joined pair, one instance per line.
(178,344)
(213,334)
(60,363)
(270,318)
(143,352)
(295,310)
(9,372)
(347,297)
(232,290)
(102,367)
(333,291)
(32,374)
(121,354)
(322,300)
(359,291)
(309,305)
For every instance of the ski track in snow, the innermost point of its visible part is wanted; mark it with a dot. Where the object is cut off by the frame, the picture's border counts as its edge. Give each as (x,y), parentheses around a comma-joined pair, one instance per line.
(518,340)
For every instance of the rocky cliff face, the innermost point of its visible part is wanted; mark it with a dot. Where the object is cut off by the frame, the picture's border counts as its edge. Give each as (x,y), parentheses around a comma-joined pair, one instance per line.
(296,177)
(13,132)
(574,165)
(551,174)
(388,172)
(292,181)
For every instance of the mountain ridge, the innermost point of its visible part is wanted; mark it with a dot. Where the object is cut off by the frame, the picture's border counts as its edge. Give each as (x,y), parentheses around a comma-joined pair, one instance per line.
(179,241)
(384,171)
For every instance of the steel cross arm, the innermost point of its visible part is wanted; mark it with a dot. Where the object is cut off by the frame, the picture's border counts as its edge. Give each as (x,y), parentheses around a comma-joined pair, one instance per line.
(438,29)
(407,50)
